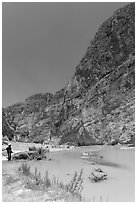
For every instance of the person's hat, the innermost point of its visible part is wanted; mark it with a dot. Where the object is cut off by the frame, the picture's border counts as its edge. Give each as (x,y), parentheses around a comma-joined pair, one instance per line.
(9,144)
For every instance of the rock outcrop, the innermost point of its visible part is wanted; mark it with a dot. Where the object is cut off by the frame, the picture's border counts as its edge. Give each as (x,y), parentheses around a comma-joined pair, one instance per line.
(7,130)
(97,105)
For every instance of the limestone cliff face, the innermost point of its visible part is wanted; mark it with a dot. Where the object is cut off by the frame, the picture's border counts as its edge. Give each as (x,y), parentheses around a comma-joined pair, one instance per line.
(7,129)
(97,104)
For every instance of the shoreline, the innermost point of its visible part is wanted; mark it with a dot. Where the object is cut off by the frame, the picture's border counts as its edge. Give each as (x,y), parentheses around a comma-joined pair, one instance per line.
(22,147)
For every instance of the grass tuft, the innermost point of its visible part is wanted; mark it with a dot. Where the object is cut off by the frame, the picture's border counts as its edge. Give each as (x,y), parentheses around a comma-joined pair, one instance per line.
(25,169)
(36,182)
(75,186)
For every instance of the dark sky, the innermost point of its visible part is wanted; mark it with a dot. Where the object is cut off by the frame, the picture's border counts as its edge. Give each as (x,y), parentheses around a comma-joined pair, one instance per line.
(43,42)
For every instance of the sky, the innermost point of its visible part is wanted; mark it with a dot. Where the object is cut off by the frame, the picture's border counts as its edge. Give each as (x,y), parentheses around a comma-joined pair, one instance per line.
(43,42)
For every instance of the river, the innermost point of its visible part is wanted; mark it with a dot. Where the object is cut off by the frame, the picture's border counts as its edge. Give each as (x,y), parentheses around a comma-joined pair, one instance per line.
(119,165)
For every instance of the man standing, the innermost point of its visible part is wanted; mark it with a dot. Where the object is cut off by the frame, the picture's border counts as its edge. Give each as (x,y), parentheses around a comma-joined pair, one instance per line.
(9,151)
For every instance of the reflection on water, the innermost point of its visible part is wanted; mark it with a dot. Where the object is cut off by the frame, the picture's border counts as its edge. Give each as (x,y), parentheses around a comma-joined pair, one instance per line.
(96,158)
(118,164)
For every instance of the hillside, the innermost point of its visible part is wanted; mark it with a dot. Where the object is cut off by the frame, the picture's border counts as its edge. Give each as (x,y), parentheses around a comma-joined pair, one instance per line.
(97,105)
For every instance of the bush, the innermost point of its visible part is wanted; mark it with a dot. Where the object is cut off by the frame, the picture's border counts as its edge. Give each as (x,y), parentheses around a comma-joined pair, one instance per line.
(98,175)
(36,182)
(47,181)
(75,186)
(38,154)
(32,148)
(40,150)
(99,170)
(25,169)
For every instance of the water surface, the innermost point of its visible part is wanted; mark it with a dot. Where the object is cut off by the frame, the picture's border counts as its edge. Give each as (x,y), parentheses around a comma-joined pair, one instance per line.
(119,164)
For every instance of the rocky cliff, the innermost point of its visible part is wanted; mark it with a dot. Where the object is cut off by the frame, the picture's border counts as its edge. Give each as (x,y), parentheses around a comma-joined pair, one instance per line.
(97,105)
(7,129)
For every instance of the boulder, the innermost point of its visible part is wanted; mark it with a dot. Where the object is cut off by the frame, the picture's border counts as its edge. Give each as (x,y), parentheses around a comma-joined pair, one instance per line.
(38,154)
(20,155)
(5,140)
(98,176)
